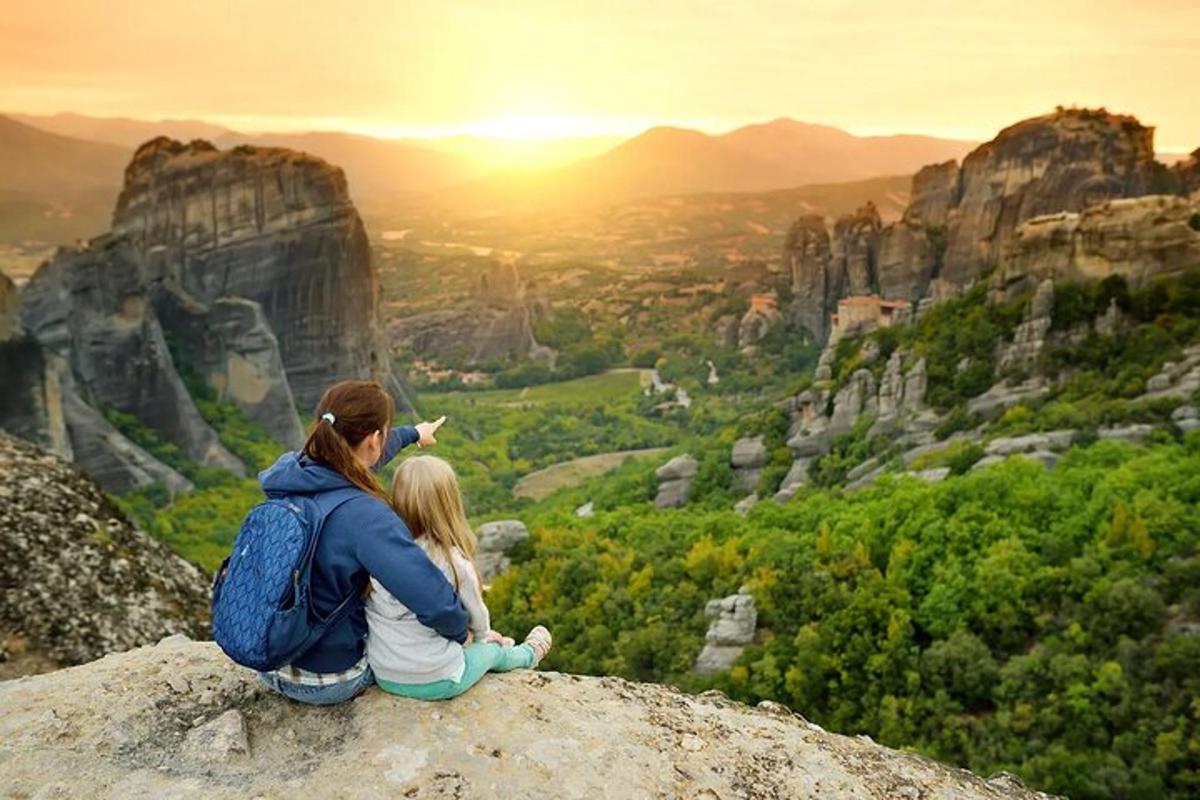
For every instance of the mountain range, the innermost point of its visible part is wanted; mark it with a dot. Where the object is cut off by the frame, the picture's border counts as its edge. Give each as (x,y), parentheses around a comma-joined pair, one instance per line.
(57,154)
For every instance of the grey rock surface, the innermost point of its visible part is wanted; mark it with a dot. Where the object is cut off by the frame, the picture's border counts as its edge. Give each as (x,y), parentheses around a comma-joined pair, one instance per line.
(115,728)
(496,539)
(734,620)
(232,347)
(77,580)
(1139,238)
(1064,161)
(269,225)
(1134,434)
(1047,440)
(684,466)
(92,307)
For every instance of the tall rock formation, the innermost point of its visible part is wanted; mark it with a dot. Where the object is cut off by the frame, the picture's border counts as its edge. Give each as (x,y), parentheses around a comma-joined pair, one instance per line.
(247,269)
(1065,161)
(30,403)
(827,267)
(77,581)
(959,222)
(272,226)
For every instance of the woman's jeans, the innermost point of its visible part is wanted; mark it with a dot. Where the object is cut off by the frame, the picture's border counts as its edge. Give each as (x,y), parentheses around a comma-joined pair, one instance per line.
(328,695)
(481,658)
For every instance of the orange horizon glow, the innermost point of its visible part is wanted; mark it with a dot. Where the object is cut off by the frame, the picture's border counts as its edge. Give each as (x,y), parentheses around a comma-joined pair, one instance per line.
(534,71)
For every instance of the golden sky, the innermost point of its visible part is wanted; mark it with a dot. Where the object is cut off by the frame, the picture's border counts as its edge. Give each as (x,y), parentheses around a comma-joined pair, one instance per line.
(553,67)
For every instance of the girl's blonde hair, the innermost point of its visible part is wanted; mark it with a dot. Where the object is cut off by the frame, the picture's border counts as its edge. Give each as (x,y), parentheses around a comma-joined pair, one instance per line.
(425,494)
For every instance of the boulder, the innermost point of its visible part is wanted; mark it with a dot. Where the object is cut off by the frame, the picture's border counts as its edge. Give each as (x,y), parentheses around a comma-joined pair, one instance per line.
(796,477)
(935,475)
(734,620)
(116,728)
(1001,396)
(744,505)
(586,511)
(78,581)
(748,458)
(673,493)
(1029,339)
(1186,418)
(496,539)
(857,397)
(748,453)
(679,467)
(1047,440)
(1134,434)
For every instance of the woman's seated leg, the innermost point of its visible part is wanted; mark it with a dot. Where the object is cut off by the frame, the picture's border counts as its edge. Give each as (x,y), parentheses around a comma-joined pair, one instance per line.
(480,659)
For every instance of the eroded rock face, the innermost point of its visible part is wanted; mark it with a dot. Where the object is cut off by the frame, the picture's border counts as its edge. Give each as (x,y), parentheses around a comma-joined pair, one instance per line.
(253,265)
(269,225)
(10,309)
(959,222)
(748,458)
(231,345)
(825,268)
(734,620)
(1139,239)
(496,539)
(497,322)
(675,481)
(77,580)
(91,306)
(1065,161)
(149,721)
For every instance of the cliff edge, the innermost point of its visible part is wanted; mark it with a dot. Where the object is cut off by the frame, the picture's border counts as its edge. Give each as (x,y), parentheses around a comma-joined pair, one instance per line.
(180,720)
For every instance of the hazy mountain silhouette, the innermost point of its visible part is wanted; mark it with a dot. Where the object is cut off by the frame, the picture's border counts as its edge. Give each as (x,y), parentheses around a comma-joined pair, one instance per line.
(122,131)
(669,161)
(46,164)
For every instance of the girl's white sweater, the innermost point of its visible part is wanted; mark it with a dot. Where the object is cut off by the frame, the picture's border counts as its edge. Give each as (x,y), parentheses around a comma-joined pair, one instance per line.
(402,650)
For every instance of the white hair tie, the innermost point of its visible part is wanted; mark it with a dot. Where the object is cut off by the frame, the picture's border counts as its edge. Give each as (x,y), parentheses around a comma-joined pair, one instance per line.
(329,417)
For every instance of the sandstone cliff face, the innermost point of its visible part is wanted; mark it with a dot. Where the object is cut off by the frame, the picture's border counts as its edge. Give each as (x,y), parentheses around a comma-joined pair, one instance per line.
(77,581)
(959,222)
(272,226)
(497,322)
(253,266)
(10,309)
(827,267)
(180,720)
(1138,239)
(1064,161)
(91,306)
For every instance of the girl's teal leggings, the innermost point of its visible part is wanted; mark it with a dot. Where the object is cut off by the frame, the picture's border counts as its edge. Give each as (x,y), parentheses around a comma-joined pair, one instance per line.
(481,658)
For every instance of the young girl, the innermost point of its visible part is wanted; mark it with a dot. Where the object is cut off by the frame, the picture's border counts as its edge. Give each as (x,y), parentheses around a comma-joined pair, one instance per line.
(409,658)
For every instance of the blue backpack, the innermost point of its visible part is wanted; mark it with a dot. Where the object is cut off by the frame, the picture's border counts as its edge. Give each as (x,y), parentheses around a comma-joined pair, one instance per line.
(261,604)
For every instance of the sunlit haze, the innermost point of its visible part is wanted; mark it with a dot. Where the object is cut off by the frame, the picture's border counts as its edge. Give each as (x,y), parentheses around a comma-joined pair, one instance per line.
(533,70)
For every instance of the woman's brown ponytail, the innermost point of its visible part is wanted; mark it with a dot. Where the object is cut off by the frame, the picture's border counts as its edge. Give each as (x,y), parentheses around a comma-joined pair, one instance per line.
(358,408)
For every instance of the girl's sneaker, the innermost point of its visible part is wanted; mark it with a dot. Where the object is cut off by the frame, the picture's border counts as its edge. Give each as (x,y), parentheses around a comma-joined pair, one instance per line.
(539,641)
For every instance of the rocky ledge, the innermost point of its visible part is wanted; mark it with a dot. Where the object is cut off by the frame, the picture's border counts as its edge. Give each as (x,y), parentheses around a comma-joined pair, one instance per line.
(77,580)
(179,720)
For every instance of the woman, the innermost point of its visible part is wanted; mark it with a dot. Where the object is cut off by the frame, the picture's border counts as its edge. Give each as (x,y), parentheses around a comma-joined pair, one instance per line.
(361,538)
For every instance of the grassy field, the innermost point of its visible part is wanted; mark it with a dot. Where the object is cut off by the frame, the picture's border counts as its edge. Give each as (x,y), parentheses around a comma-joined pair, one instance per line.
(609,387)
(546,482)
